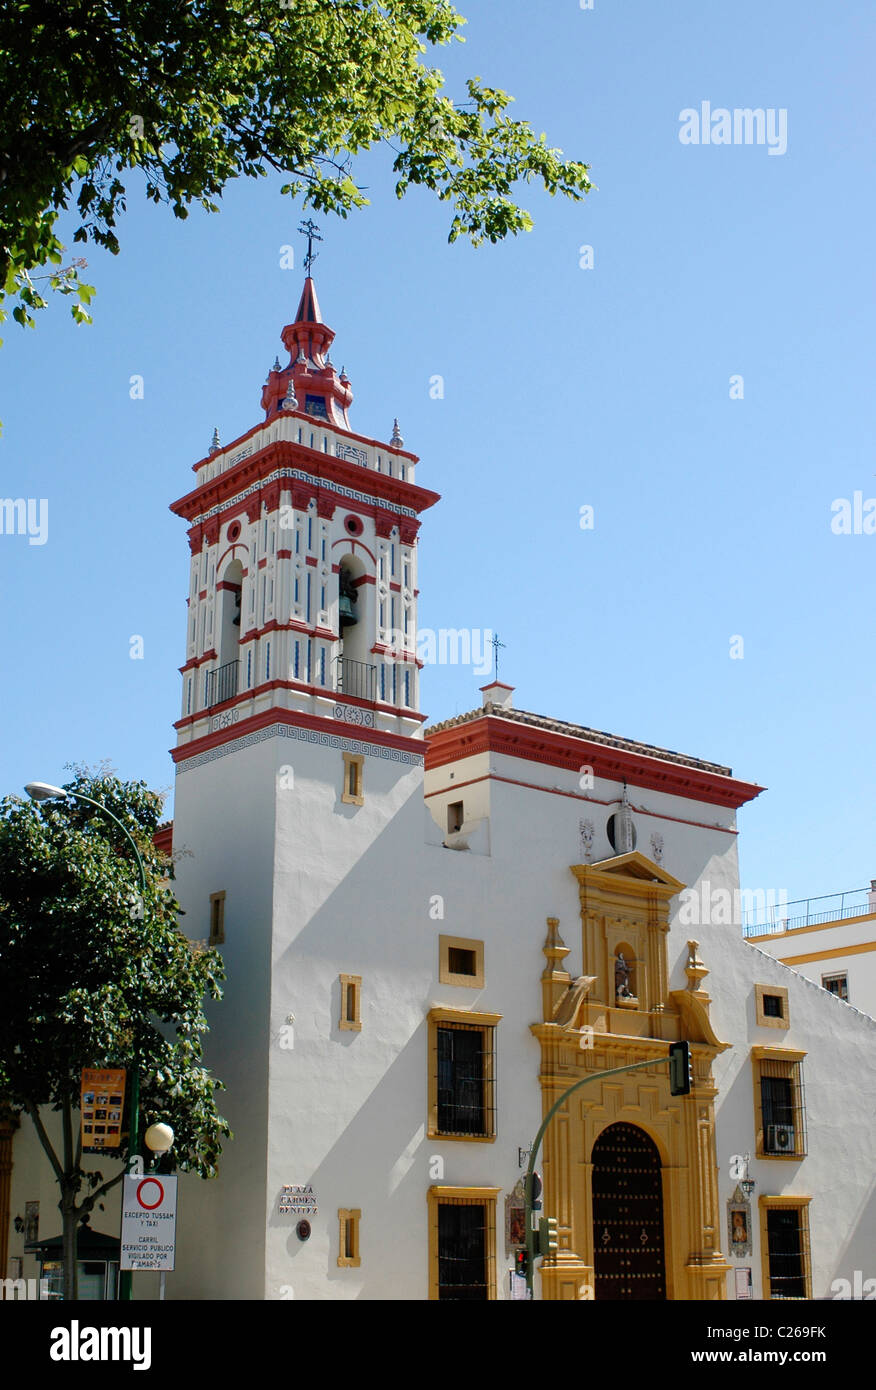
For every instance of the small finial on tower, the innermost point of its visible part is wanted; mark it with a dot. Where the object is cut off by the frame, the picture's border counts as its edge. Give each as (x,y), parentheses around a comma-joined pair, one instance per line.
(397,442)
(276,366)
(215,446)
(290,400)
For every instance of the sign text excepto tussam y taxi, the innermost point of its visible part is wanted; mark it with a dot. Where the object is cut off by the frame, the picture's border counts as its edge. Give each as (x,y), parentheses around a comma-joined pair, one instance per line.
(148,1222)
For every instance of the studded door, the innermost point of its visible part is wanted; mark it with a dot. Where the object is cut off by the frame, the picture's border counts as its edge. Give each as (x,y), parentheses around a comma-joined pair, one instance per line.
(627,1215)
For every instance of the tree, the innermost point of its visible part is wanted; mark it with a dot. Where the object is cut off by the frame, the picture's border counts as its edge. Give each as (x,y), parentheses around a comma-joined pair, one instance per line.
(196,92)
(93,976)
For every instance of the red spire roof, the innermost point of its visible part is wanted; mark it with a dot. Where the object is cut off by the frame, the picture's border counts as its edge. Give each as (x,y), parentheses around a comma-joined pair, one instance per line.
(308,384)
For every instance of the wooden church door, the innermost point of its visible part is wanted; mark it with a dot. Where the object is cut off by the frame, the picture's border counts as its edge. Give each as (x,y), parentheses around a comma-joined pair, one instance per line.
(627,1215)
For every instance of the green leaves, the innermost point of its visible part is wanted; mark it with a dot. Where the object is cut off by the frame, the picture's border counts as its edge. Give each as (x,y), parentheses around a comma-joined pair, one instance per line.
(198,93)
(87,981)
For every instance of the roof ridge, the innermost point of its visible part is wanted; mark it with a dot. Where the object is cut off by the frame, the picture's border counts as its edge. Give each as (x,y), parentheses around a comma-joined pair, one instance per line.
(553,725)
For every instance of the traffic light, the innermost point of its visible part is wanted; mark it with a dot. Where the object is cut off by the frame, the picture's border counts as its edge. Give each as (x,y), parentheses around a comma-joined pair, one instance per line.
(535,1192)
(521,1262)
(680,1076)
(548,1240)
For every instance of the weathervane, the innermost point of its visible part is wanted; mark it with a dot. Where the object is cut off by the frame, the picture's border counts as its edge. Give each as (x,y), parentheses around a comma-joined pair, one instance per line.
(311,231)
(496,644)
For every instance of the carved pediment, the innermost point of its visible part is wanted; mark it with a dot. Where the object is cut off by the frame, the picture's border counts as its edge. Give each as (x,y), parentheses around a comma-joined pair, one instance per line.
(630,866)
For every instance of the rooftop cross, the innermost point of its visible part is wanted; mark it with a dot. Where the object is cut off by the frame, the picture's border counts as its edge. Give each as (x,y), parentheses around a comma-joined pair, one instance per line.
(311,231)
(496,644)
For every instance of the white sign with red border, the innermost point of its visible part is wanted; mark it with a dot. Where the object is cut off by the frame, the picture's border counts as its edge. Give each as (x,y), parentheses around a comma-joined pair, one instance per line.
(148,1222)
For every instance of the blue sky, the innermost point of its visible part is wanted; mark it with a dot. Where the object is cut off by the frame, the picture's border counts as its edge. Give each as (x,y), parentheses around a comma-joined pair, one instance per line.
(564,387)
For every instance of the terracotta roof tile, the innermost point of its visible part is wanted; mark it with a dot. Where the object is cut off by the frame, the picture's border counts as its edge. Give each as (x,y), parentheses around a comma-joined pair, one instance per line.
(561,726)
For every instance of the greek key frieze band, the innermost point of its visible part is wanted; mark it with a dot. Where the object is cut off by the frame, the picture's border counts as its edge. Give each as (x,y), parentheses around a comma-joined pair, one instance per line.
(299,475)
(339,741)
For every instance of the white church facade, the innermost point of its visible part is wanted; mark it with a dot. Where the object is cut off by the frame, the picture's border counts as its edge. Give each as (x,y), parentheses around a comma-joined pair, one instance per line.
(430,934)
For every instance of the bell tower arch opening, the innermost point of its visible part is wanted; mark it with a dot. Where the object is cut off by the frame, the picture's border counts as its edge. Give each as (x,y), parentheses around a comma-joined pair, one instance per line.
(224,681)
(356,628)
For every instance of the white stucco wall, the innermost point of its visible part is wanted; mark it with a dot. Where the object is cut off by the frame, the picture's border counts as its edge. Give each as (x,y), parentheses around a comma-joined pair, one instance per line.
(859,965)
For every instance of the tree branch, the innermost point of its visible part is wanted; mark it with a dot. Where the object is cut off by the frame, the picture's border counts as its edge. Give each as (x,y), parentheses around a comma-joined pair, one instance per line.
(34,1113)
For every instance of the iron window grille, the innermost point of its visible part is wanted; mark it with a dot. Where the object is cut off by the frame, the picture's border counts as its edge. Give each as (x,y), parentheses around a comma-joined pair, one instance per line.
(788,1252)
(783,1110)
(464,1251)
(466,1079)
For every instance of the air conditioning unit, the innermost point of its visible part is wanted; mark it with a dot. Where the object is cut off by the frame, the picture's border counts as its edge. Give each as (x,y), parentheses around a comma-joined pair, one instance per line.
(780,1139)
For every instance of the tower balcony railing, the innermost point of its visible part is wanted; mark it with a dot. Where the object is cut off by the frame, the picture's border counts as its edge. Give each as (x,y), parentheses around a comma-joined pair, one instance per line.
(355,678)
(222,683)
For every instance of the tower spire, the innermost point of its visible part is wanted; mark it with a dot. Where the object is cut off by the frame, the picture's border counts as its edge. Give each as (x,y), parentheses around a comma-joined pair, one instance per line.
(308,383)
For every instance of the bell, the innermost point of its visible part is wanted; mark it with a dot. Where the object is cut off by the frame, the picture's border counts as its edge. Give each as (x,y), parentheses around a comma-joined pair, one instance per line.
(347,612)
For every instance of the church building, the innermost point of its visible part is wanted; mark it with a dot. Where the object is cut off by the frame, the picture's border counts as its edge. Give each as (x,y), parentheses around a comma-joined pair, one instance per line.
(431,933)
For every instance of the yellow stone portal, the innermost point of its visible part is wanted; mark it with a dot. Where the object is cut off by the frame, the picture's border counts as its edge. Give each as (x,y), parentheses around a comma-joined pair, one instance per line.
(618,1012)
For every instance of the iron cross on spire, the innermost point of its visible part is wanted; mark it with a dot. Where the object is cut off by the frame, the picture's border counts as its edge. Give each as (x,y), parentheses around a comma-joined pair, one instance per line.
(311,231)
(496,644)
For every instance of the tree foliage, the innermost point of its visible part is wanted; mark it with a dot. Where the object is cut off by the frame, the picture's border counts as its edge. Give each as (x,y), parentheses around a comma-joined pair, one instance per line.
(196,92)
(92,975)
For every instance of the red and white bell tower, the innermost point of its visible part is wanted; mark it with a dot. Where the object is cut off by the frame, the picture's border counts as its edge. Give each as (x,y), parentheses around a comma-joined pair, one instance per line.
(303,587)
(299,820)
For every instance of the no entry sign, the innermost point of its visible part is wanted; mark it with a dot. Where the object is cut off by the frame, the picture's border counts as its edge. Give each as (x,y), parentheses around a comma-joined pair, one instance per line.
(148,1222)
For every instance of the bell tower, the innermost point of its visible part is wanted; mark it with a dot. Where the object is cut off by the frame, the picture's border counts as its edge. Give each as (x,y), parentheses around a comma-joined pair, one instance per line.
(298,811)
(303,582)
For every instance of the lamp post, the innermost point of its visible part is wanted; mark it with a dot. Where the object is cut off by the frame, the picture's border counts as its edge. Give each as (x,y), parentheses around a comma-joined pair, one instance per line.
(44,791)
(159,1138)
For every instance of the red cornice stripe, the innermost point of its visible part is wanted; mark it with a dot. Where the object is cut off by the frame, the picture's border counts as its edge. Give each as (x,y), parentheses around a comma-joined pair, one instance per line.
(318,723)
(490,734)
(324,469)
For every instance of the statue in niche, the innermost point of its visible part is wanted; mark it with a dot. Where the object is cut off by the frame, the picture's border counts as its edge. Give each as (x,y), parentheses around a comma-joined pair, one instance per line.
(622,976)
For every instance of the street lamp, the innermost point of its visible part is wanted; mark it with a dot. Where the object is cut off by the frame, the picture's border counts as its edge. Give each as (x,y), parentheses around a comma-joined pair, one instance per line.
(44,791)
(159,1138)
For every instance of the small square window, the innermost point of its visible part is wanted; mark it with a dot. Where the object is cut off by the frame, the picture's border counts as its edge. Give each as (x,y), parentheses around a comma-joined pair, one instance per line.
(837,984)
(460,962)
(455,816)
(217,919)
(771,1005)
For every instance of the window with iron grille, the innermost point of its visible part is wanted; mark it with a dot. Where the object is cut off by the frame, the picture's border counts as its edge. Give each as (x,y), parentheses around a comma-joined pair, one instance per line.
(462,1252)
(462,1082)
(781,1106)
(785,1236)
(462,1244)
